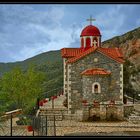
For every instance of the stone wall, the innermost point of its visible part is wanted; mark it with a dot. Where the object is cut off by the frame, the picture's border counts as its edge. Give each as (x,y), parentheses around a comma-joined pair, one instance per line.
(77,81)
(100,97)
(115,113)
(102,112)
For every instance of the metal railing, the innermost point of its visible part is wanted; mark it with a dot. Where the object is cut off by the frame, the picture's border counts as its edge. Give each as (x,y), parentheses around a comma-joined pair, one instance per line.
(58,124)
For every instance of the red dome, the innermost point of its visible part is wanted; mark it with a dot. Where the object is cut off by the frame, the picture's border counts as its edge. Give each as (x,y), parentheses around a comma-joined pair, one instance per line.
(90,30)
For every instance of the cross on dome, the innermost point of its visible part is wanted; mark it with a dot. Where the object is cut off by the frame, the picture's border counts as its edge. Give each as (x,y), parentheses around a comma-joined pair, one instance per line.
(94,43)
(90,20)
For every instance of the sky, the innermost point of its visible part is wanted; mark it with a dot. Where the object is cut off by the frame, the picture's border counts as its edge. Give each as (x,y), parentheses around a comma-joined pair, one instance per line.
(27,30)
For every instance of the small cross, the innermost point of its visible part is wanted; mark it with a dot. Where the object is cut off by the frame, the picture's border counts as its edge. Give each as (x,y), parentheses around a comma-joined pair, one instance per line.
(90,20)
(94,43)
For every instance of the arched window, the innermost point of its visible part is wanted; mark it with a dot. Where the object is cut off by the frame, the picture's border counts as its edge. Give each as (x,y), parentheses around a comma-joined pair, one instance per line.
(88,42)
(96,88)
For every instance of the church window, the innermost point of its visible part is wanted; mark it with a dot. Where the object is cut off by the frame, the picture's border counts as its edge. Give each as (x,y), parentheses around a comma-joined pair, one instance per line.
(96,88)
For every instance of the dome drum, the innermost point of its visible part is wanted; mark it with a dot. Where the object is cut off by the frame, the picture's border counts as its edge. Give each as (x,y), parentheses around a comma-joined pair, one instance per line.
(90,37)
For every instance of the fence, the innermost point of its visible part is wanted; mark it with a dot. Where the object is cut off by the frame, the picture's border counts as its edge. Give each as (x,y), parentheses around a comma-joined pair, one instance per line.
(54,125)
(59,123)
(13,124)
(28,125)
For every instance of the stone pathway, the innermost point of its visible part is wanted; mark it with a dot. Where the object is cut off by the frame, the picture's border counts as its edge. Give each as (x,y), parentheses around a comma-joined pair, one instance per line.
(58,103)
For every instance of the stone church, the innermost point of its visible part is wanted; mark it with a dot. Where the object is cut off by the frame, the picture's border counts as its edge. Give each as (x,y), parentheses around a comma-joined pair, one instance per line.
(93,77)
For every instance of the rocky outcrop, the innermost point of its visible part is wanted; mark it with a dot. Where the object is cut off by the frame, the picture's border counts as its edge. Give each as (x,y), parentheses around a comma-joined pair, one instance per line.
(129,44)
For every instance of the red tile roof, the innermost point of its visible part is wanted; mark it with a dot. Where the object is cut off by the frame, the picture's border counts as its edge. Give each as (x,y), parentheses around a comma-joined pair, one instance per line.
(75,54)
(82,54)
(95,71)
(113,53)
(70,52)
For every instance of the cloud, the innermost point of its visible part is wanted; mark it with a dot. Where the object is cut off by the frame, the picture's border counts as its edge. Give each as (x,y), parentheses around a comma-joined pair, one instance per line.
(26,30)
(117,20)
(56,14)
(111,22)
(31,33)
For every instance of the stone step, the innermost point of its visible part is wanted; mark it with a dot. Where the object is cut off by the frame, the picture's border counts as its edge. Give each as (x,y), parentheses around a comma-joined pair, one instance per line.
(58,107)
(134,118)
(136,112)
(58,102)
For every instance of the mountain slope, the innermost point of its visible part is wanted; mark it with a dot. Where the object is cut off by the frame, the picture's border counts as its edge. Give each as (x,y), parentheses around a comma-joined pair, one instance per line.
(51,62)
(129,43)
(45,58)
(48,62)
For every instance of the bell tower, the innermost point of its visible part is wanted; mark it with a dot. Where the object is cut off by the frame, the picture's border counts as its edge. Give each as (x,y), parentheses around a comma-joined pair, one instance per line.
(90,36)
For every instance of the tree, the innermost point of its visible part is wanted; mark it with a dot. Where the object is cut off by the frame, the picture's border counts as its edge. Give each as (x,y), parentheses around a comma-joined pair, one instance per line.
(130,71)
(20,89)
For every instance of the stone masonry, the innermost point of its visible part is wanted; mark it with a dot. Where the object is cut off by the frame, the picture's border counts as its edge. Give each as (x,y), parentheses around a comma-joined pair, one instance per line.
(80,87)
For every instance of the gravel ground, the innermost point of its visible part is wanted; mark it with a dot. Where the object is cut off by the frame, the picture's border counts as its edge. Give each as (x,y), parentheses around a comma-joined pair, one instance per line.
(74,128)
(126,133)
(70,128)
